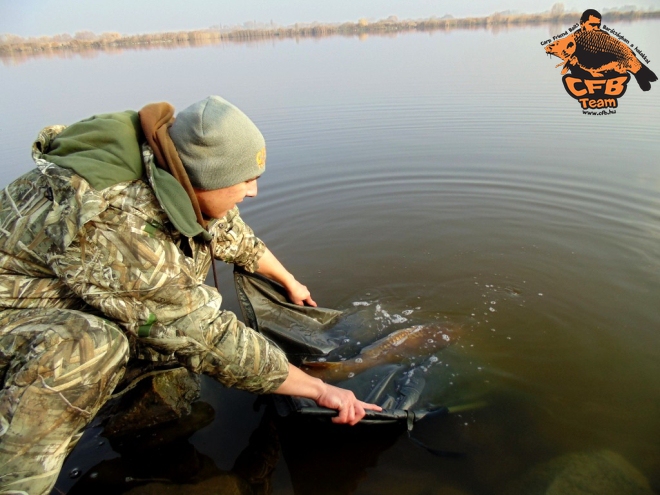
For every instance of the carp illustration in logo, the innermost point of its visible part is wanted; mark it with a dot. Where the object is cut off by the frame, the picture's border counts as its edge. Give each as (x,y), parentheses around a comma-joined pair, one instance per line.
(591,53)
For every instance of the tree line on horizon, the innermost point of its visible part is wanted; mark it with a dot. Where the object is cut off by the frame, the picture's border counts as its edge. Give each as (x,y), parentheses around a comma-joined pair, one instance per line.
(86,42)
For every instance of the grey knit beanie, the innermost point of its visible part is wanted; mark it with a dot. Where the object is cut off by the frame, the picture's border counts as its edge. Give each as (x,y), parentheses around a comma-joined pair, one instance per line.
(218,144)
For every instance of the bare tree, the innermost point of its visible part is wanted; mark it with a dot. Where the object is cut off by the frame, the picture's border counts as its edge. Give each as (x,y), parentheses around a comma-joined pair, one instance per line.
(557,10)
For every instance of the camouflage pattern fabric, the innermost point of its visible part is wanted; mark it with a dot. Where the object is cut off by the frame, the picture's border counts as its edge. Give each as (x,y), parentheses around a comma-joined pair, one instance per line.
(114,253)
(59,367)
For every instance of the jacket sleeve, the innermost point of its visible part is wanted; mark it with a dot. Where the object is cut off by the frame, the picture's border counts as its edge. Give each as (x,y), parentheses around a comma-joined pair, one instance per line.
(235,242)
(135,275)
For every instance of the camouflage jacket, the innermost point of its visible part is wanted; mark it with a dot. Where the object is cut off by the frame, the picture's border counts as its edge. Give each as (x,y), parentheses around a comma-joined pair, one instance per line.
(114,251)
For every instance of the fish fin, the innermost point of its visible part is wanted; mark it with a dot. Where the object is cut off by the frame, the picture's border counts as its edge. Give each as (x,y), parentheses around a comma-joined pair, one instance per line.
(321,369)
(644,77)
(323,365)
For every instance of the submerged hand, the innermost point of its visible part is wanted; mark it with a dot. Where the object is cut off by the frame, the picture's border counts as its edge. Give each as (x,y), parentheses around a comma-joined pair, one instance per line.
(299,294)
(351,410)
(270,267)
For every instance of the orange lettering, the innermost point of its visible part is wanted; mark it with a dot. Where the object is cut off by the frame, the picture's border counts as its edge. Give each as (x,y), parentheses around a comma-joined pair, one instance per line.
(570,84)
(592,85)
(615,86)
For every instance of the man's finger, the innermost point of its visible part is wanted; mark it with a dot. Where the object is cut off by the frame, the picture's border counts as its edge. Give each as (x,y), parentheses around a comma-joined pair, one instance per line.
(350,417)
(359,412)
(342,417)
(372,407)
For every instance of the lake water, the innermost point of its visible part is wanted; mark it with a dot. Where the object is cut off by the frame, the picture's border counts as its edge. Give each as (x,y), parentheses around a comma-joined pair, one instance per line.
(435,176)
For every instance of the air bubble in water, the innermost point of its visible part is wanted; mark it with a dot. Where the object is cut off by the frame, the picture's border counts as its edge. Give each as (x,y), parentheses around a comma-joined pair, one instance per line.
(75,473)
(351,374)
(358,360)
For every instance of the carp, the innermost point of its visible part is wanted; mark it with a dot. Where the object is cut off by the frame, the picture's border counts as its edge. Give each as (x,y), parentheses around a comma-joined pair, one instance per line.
(596,53)
(416,341)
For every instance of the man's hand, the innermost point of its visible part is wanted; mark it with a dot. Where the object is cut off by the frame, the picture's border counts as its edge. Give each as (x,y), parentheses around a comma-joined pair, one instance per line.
(270,267)
(299,294)
(351,410)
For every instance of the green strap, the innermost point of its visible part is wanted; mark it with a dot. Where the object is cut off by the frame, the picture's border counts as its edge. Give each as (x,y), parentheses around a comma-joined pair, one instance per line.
(143,330)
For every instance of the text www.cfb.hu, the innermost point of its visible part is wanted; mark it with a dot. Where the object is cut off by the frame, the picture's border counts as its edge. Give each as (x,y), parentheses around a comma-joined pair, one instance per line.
(609,111)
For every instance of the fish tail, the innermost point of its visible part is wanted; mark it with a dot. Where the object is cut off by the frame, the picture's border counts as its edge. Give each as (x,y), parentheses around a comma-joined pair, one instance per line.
(645,77)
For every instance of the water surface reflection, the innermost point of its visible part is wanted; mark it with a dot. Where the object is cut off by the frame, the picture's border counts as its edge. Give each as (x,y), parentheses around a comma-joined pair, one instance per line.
(451,175)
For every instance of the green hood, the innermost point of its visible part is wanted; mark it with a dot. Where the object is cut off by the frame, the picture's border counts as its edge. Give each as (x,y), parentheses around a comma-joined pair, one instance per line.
(106,149)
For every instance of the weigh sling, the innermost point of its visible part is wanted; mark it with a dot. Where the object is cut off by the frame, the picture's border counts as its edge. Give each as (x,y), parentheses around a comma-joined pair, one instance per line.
(309,334)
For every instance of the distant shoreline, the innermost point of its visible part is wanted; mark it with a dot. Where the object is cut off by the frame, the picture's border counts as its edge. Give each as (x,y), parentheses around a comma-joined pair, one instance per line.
(18,48)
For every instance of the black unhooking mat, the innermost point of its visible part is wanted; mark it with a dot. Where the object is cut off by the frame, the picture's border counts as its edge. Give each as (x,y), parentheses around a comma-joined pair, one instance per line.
(305,332)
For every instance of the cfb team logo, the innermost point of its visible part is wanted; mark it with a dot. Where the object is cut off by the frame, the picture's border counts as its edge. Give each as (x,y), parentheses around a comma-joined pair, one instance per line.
(599,63)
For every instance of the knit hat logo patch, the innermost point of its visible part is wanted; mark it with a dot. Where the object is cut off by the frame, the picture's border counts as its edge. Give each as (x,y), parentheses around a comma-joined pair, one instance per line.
(261,158)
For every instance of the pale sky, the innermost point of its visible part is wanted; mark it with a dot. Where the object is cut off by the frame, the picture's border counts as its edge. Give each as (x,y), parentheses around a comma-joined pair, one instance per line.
(49,17)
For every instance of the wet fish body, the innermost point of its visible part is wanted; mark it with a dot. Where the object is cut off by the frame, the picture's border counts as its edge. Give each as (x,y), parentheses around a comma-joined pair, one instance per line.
(416,341)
